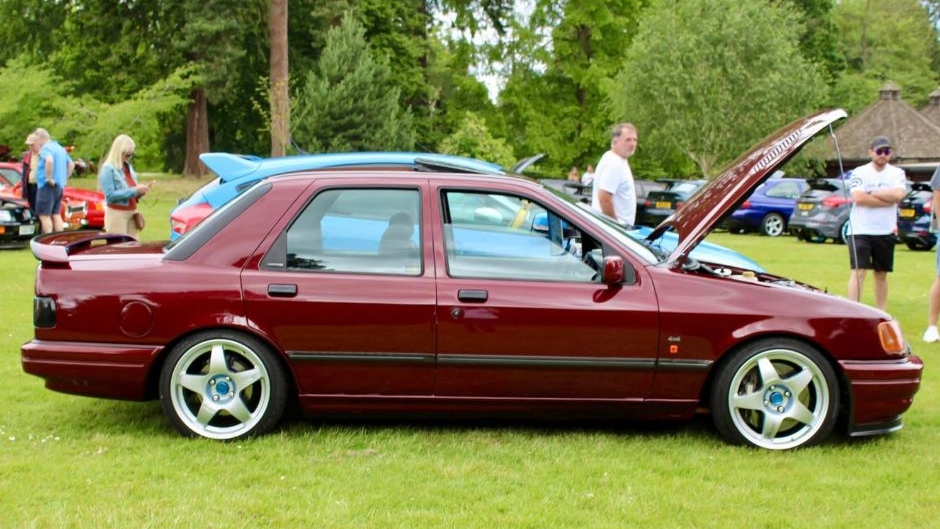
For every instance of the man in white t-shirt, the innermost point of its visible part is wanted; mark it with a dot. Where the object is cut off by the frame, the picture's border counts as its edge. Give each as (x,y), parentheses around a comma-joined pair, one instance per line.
(876,189)
(613,189)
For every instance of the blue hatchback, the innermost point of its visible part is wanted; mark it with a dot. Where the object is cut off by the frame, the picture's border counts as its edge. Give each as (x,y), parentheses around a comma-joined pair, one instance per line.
(914,218)
(769,207)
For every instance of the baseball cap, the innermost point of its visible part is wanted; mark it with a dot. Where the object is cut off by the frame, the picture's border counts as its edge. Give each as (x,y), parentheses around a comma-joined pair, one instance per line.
(880,141)
(31,139)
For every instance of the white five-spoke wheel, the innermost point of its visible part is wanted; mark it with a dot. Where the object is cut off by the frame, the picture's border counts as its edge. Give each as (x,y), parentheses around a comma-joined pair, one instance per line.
(777,394)
(222,385)
(773,225)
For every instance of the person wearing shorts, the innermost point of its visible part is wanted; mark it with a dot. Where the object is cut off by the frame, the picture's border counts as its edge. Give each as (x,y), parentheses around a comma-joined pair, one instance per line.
(876,187)
(933,310)
(53,168)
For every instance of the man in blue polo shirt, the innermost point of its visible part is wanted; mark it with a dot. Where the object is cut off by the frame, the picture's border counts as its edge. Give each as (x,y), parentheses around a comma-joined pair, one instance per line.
(52,173)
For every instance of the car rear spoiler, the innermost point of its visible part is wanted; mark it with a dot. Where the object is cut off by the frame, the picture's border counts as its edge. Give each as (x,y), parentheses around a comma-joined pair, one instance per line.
(57,247)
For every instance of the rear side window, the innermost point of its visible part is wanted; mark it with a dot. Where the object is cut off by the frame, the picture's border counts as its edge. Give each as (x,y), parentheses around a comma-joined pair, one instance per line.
(359,231)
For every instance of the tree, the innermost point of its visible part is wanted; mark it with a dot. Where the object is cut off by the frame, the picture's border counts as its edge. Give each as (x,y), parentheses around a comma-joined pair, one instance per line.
(887,40)
(708,78)
(473,140)
(280,96)
(347,102)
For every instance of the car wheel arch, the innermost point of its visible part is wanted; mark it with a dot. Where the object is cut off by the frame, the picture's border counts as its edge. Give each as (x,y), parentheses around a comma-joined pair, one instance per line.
(156,368)
(724,358)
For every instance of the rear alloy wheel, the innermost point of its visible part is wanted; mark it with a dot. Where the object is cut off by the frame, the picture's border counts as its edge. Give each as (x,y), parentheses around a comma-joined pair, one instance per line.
(777,395)
(222,385)
(773,225)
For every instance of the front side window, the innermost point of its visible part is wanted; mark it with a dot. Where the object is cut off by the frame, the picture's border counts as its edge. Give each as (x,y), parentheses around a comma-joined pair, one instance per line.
(501,236)
(359,231)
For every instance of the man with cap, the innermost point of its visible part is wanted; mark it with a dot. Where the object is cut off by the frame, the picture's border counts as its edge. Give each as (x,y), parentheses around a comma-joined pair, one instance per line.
(876,187)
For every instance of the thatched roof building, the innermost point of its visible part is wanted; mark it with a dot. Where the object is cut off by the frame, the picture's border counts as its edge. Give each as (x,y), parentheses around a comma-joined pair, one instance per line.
(915,136)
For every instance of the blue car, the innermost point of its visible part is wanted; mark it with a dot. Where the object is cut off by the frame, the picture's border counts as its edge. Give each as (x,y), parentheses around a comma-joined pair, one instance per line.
(914,218)
(769,208)
(237,173)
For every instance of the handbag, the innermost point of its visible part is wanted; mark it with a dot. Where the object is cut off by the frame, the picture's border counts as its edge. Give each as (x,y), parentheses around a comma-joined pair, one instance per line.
(139,221)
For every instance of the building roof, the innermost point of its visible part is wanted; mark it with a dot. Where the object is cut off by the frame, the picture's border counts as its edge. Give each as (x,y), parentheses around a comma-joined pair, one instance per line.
(914,136)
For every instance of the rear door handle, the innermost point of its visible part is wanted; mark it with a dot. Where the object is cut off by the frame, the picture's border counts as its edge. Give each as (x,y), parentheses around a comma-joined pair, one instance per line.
(472,296)
(282,291)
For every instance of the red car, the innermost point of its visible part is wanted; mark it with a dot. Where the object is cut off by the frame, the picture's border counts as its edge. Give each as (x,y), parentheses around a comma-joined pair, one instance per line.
(398,292)
(81,208)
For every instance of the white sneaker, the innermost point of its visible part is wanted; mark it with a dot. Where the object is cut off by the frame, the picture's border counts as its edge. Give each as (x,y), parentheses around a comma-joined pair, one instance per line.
(931,335)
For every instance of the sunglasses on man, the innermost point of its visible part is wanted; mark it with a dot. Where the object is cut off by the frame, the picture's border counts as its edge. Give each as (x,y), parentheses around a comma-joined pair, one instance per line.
(883,151)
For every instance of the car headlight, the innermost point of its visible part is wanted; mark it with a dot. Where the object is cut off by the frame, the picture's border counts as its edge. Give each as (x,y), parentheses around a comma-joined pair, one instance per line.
(6,215)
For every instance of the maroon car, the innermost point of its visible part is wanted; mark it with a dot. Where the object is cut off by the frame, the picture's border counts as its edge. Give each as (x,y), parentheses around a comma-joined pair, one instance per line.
(404,293)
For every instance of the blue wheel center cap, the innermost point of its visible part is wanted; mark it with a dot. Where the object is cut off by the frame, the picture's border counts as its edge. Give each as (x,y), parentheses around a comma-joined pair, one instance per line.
(222,387)
(776,398)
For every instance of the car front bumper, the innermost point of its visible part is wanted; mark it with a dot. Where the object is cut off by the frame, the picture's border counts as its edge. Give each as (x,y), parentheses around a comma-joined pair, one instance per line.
(879,392)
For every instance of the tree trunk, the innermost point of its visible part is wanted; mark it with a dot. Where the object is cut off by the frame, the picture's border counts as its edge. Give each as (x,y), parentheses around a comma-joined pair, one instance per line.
(280,99)
(197,133)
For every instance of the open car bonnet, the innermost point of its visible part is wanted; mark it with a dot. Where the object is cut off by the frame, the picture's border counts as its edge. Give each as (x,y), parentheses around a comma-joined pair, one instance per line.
(716,199)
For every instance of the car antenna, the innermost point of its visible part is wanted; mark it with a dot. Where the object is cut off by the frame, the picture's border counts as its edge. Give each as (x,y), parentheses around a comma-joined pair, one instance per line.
(850,240)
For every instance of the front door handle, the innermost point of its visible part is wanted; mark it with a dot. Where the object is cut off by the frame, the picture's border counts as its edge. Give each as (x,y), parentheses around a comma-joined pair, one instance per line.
(472,296)
(282,291)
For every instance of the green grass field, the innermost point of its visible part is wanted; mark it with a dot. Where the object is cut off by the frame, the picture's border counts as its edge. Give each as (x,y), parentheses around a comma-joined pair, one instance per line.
(69,461)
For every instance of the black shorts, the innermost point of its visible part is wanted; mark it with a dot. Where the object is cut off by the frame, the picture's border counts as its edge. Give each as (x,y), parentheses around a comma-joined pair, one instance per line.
(872,252)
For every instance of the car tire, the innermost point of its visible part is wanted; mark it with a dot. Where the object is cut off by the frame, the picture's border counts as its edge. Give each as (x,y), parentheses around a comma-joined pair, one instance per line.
(919,246)
(773,225)
(223,385)
(844,232)
(775,394)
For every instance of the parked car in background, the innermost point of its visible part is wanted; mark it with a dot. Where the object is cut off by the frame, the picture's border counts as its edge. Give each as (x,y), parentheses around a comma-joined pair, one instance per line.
(769,208)
(81,208)
(822,211)
(396,292)
(17,223)
(914,218)
(237,173)
(660,203)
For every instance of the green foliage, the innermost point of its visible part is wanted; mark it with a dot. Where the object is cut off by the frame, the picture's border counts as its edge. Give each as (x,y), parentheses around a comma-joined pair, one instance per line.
(347,102)
(87,123)
(472,139)
(708,78)
(888,40)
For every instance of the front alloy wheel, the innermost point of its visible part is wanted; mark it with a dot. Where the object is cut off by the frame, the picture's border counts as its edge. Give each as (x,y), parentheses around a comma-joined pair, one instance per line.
(222,385)
(777,395)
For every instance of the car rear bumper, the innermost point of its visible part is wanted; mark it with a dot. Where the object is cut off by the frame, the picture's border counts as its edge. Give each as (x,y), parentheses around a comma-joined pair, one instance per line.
(92,369)
(879,392)
(828,228)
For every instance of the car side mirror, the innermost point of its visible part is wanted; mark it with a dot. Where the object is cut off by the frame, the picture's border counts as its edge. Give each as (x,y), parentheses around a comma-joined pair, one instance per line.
(613,270)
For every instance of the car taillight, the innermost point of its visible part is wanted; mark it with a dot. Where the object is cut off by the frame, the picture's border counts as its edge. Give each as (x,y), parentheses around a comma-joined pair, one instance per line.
(186,219)
(746,204)
(834,201)
(928,206)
